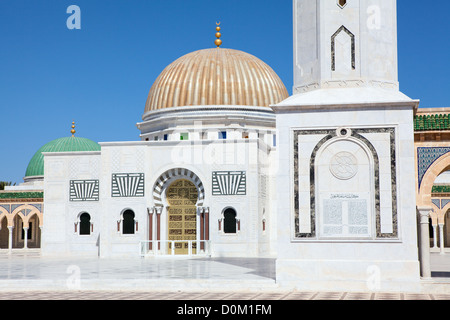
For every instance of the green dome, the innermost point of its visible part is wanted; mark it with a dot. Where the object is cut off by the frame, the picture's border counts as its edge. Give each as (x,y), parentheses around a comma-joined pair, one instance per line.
(68,144)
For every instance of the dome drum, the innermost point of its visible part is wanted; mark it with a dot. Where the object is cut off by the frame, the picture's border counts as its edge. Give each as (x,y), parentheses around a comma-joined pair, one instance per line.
(206,118)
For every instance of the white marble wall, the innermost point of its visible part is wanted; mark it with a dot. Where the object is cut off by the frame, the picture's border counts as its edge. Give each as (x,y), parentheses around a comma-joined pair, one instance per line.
(153,159)
(319,263)
(60,214)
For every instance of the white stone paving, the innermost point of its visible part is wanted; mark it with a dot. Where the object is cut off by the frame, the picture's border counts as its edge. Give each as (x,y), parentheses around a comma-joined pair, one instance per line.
(27,276)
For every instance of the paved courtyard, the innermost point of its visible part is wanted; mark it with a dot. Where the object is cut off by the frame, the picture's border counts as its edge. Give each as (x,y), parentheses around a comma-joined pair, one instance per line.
(26,275)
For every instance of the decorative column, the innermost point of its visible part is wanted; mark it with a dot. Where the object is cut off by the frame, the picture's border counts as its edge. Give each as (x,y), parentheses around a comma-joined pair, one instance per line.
(39,237)
(441,238)
(441,223)
(25,238)
(10,239)
(434,236)
(434,221)
(207,227)
(424,243)
(158,226)
(151,211)
(202,228)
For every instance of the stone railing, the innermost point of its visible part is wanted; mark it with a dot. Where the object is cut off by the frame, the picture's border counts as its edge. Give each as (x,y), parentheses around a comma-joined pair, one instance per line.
(164,248)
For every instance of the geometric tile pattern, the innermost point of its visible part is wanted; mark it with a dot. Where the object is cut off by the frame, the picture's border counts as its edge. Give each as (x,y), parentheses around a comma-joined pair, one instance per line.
(426,156)
(128,185)
(444,202)
(10,208)
(229,183)
(84,190)
(440,203)
(437,203)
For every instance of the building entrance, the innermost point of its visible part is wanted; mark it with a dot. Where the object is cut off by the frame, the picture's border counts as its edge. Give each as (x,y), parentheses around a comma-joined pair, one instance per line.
(182,197)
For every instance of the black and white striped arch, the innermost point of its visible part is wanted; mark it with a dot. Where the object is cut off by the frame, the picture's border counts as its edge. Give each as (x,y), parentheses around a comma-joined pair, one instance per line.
(172,175)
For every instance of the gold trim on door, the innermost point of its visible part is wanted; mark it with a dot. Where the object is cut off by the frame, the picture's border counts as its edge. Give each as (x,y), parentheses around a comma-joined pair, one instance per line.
(182,196)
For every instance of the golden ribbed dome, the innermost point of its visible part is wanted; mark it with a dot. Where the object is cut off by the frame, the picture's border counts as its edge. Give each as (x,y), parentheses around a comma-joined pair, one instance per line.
(216,77)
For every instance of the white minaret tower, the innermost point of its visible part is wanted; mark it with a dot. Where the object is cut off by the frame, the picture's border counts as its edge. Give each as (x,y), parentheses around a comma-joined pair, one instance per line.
(345,43)
(346,209)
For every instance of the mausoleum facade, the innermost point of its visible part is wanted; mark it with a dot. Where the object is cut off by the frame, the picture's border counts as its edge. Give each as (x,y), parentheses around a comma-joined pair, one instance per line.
(227,164)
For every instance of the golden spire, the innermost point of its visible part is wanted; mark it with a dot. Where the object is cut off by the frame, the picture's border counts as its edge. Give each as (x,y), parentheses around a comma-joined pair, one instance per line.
(218,42)
(73,129)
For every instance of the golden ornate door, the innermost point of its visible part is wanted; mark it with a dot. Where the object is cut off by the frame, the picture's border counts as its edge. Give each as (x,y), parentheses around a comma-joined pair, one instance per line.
(182,197)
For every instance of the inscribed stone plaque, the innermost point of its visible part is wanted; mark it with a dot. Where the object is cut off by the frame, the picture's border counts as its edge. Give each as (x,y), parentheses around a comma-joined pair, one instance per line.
(345,215)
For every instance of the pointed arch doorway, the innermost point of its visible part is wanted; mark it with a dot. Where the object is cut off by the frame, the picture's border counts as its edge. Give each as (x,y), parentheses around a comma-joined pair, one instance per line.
(182,196)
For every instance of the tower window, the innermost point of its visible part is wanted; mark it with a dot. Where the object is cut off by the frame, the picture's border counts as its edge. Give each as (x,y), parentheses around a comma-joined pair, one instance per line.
(166,137)
(184,136)
(342,3)
(222,135)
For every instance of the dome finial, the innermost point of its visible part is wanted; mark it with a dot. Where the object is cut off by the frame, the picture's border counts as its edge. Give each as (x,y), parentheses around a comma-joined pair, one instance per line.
(218,42)
(73,129)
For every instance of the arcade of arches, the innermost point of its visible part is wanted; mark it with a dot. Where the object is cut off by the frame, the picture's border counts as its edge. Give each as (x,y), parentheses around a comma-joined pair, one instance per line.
(21,220)
(432,158)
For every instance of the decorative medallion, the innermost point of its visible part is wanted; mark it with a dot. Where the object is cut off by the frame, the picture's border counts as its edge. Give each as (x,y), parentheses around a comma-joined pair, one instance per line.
(344,166)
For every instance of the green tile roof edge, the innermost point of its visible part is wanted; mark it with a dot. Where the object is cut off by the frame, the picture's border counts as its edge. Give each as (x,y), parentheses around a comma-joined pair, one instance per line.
(440,189)
(435,122)
(21,195)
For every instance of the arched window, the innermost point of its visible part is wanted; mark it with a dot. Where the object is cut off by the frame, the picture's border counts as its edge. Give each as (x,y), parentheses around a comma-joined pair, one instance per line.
(229,224)
(128,222)
(85,224)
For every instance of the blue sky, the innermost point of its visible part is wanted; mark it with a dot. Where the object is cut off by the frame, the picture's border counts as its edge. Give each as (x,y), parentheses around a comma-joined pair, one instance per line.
(100,75)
